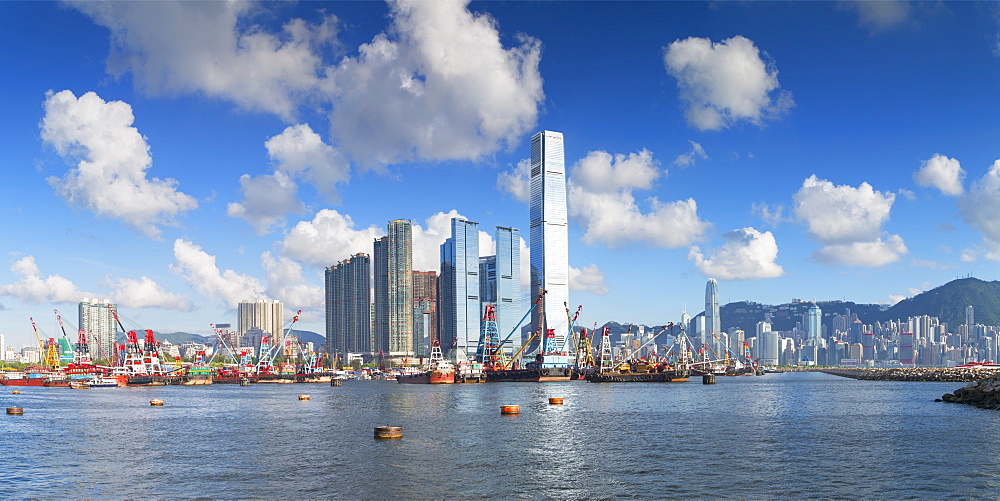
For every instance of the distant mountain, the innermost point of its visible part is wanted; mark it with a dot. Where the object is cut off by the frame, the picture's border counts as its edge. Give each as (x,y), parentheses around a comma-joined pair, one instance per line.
(948,303)
(187,337)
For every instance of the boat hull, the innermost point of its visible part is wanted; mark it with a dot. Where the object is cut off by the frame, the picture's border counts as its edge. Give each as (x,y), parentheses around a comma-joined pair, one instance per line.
(538,375)
(638,377)
(428,377)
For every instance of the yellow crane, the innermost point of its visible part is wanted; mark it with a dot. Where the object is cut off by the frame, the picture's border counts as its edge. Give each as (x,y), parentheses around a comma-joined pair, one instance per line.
(50,352)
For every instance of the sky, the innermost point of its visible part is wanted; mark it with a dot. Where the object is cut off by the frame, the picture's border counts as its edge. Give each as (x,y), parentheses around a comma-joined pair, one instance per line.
(178,158)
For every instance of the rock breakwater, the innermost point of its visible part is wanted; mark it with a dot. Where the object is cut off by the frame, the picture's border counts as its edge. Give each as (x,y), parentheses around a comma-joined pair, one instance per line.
(945,374)
(984,393)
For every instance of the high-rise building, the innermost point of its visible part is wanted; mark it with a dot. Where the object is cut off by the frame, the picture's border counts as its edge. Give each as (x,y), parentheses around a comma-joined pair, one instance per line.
(500,281)
(393,275)
(460,312)
(970,316)
(814,326)
(348,294)
(97,320)
(266,315)
(548,233)
(713,323)
(425,285)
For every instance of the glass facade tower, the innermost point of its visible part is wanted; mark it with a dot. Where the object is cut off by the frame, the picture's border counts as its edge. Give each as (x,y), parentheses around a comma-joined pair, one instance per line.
(713,323)
(393,274)
(460,312)
(548,233)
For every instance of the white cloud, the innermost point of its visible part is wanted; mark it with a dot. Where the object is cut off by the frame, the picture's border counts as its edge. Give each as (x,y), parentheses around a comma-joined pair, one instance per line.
(771,215)
(980,206)
(516,181)
(443,68)
(145,293)
(588,279)
(848,221)
(329,238)
(881,15)
(725,83)
(943,173)
(867,253)
(600,199)
(427,240)
(215,49)
(747,254)
(199,270)
(286,284)
(688,159)
(110,177)
(266,200)
(35,288)
(302,154)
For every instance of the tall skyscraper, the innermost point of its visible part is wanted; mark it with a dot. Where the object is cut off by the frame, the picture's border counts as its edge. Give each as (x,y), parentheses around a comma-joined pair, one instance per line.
(548,232)
(266,315)
(814,326)
(424,311)
(500,281)
(98,322)
(460,311)
(348,295)
(970,316)
(394,290)
(713,324)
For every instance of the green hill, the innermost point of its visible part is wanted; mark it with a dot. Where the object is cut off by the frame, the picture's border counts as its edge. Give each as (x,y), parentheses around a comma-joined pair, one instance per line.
(948,303)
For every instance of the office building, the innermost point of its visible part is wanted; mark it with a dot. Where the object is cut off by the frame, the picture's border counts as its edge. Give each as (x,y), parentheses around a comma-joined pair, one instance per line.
(393,274)
(460,314)
(548,233)
(425,284)
(348,295)
(713,322)
(97,320)
(500,282)
(814,326)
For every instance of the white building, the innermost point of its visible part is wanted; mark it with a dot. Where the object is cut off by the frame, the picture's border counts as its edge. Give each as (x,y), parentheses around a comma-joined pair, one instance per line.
(548,232)
(268,316)
(97,320)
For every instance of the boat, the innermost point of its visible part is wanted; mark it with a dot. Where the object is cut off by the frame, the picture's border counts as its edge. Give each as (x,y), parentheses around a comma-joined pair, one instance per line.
(660,374)
(77,384)
(32,376)
(105,382)
(546,368)
(198,375)
(439,370)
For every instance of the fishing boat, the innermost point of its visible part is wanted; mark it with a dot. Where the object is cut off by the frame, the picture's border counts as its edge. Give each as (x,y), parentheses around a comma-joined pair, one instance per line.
(439,370)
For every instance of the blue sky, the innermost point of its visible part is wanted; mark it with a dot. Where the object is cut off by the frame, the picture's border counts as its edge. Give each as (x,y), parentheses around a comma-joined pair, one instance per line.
(179,158)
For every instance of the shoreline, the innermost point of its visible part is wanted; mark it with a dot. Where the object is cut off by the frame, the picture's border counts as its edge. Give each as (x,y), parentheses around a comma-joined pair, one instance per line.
(935,374)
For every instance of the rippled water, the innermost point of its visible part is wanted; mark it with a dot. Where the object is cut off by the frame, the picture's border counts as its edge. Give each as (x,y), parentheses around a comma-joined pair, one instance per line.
(794,435)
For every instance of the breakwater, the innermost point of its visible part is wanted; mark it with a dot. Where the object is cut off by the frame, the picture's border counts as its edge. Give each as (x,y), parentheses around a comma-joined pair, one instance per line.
(984,393)
(941,374)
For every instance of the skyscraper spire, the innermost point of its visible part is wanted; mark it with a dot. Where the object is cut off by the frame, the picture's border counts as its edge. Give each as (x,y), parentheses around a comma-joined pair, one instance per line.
(548,233)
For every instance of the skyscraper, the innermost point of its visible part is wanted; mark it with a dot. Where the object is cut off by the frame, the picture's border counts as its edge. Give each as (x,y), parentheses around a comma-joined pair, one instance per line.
(348,294)
(548,232)
(500,281)
(713,323)
(98,322)
(394,290)
(266,315)
(814,326)
(460,311)
(424,311)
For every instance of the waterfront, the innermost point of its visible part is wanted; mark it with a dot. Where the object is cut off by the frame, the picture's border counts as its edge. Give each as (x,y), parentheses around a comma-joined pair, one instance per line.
(794,435)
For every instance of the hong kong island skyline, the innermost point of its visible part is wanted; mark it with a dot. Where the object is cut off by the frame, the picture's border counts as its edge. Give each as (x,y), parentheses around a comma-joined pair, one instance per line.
(176,158)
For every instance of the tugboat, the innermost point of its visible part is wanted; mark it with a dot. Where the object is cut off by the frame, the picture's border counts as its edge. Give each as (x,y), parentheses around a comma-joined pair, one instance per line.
(439,371)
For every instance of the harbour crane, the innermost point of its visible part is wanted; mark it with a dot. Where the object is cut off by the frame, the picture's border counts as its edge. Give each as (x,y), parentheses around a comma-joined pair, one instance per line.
(48,351)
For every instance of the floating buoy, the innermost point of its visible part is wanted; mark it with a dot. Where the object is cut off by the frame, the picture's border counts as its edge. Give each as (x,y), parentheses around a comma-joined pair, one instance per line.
(16,392)
(388,432)
(510,409)
(16,411)
(156,403)
(555,401)
(303,397)
(244,381)
(708,379)
(335,382)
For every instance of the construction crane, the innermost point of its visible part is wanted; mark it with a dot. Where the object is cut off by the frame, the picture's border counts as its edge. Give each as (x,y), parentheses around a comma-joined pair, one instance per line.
(64,336)
(527,342)
(489,352)
(267,356)
(572,324)
(48,351)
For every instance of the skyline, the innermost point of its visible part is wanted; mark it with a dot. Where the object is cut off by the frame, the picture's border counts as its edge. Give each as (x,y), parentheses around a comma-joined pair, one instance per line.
(180,158)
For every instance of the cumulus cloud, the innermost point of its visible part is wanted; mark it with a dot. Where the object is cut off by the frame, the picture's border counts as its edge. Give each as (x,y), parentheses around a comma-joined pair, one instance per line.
(943,173)
(199,270)
(725,83)
(688,159)
(516,181)
(33,287)
(427,240)
(302,154)
(600,199)
(145,293)
(981,204)
(771,215)
(328,238)
(587,279)
(286,283)
(746,254)
(214,49)
(443,68)
(848,221)
(266,200)
(110,176)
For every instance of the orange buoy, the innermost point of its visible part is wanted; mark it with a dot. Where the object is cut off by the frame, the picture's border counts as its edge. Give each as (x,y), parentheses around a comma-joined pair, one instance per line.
(510,409)
(555,400)
(16,392)
(16,411)
(388,432)
(303,397)
(156,403)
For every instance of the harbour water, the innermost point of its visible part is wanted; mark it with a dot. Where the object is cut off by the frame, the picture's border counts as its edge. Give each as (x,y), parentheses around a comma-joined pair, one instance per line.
(791,436)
